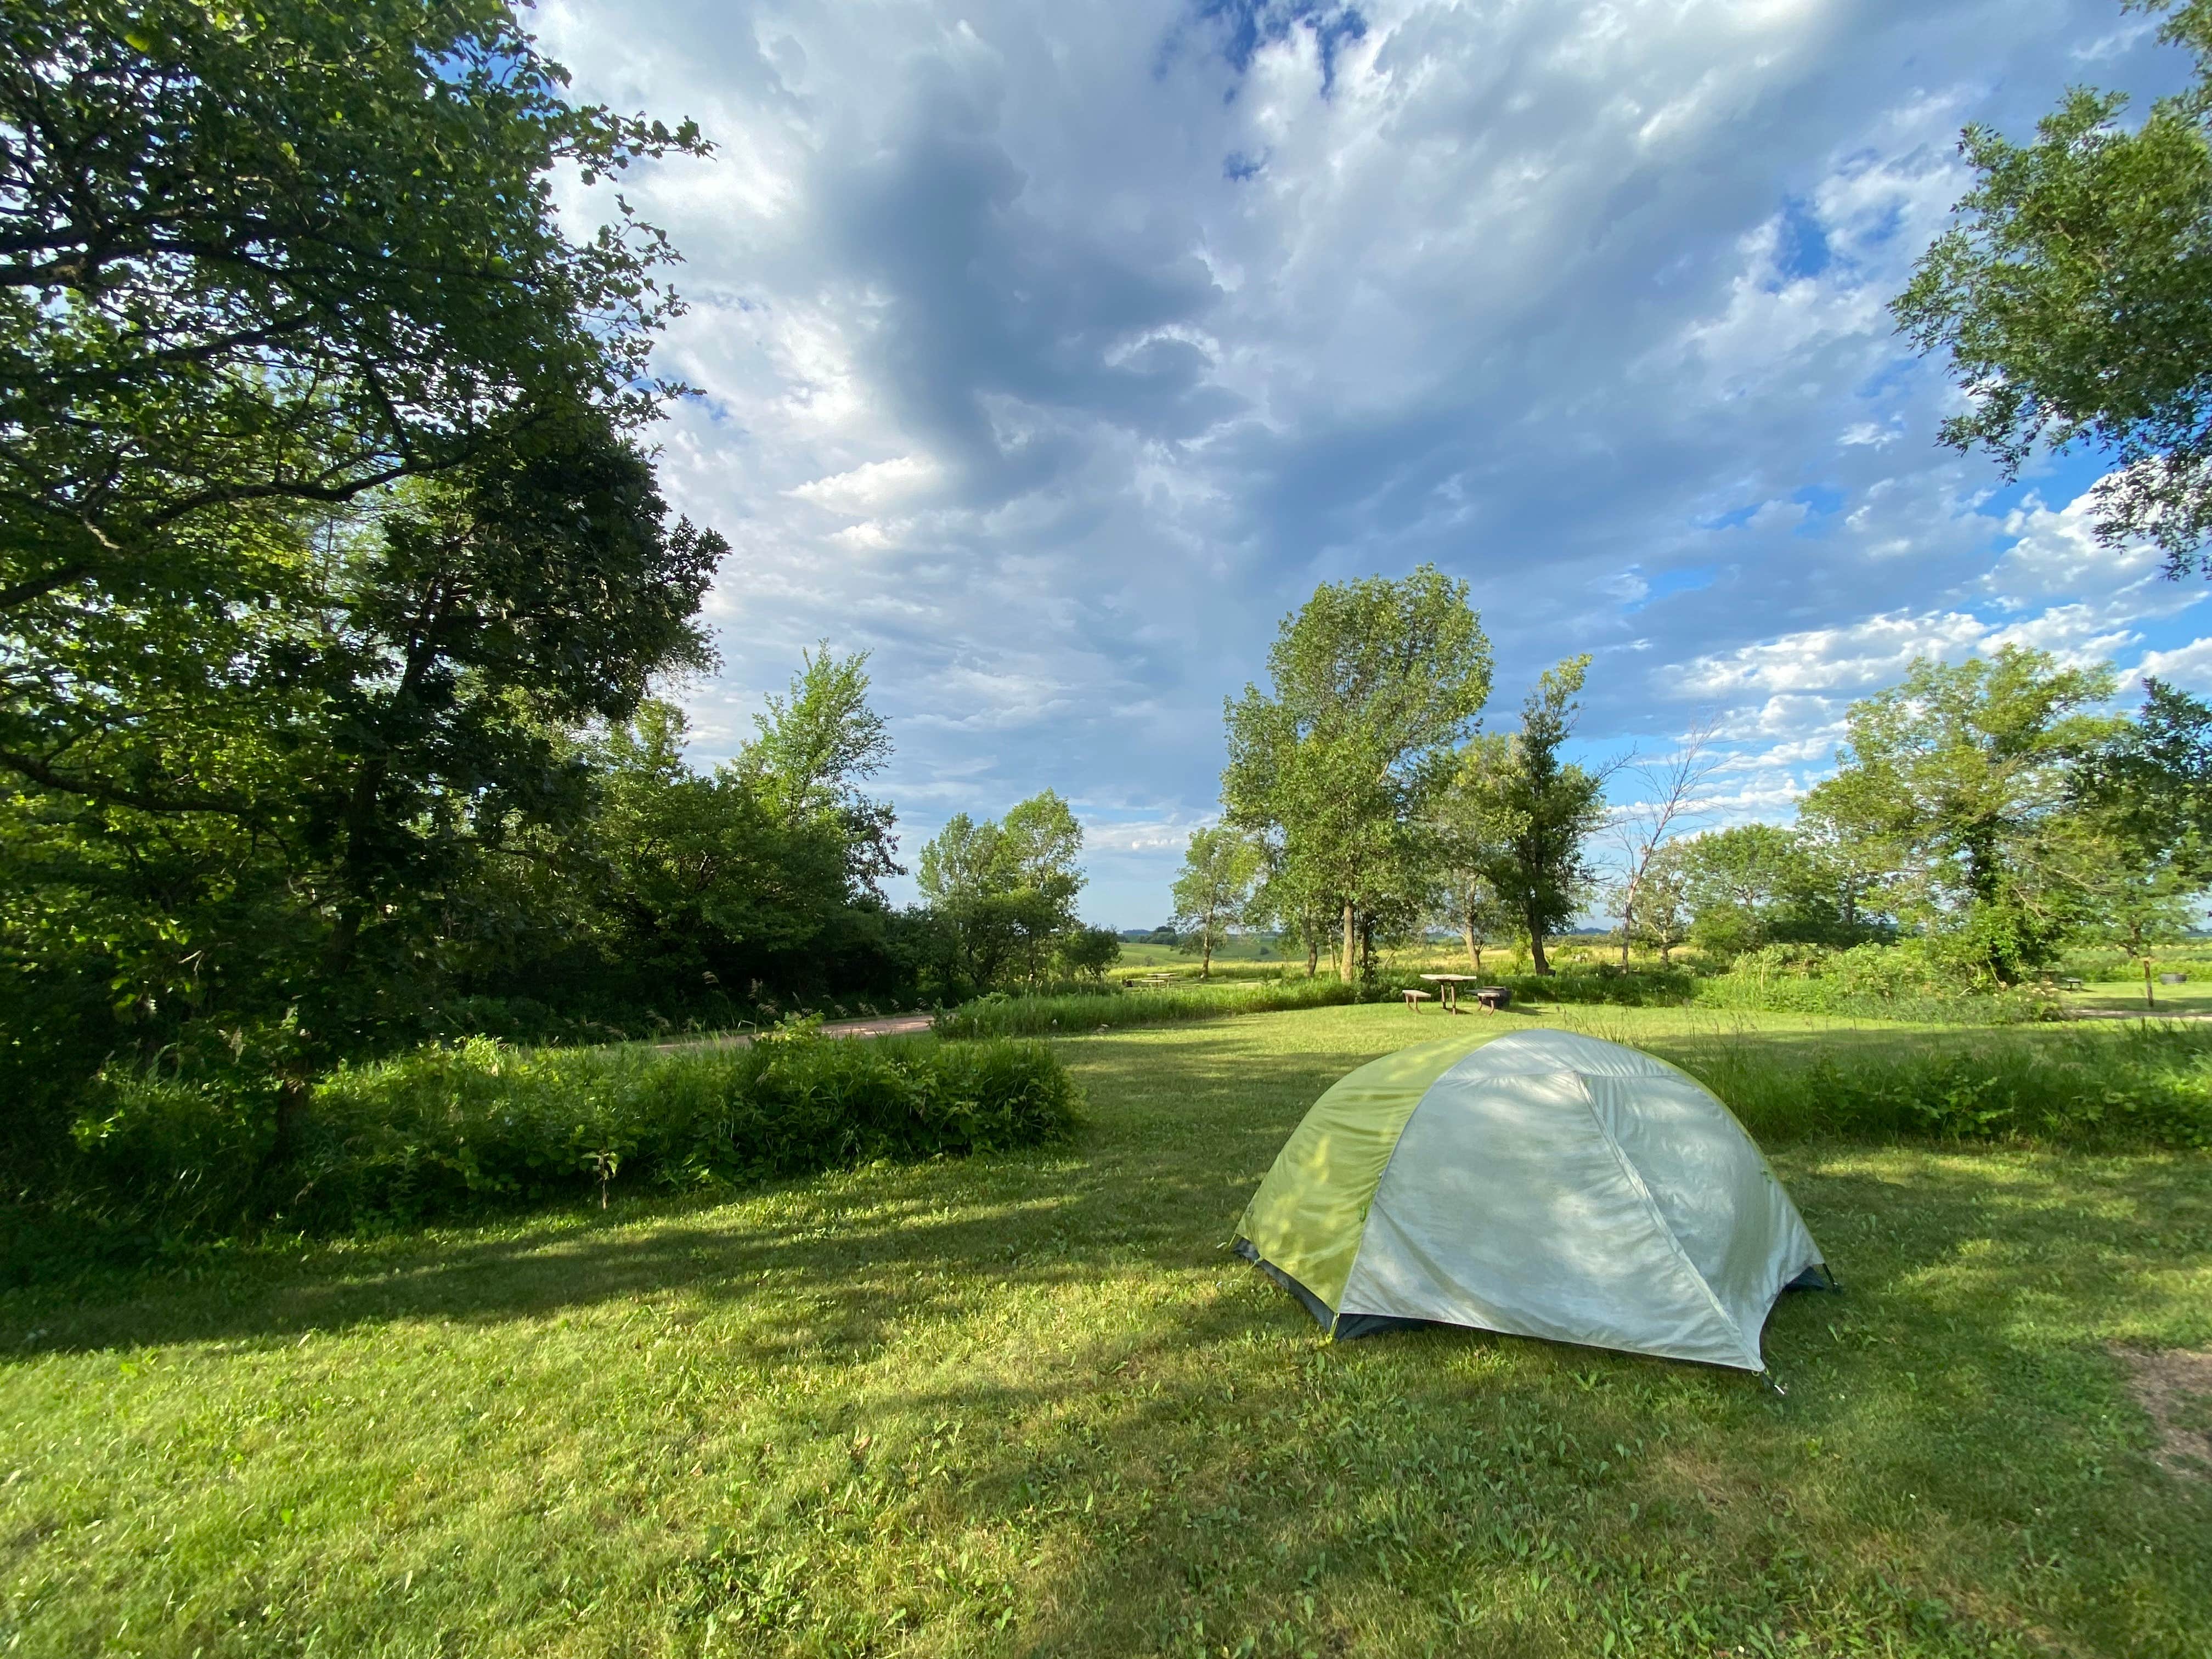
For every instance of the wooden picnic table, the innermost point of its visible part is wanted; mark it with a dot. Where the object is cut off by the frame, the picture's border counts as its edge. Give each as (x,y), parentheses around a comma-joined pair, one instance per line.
(1489,997)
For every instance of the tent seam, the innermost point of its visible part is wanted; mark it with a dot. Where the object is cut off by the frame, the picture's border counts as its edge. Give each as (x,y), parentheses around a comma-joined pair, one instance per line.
(1651,1205)
(1383,1180)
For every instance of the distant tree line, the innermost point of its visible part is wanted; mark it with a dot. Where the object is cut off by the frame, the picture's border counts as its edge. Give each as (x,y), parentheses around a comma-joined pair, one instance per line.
(1997,809)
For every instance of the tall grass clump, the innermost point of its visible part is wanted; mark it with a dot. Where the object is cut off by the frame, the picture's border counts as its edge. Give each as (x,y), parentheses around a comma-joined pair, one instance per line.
(2137,1084)
(448,1128)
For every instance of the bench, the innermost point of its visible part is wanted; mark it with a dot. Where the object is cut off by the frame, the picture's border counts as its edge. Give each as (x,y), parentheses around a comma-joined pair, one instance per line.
(1414,1000)
(1493,997)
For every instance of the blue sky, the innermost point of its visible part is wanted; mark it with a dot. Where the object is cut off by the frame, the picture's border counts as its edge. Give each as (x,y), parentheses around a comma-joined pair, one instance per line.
(1052,353)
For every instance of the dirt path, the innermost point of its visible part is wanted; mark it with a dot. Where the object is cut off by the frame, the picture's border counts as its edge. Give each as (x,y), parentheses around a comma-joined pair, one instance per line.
(882,1026)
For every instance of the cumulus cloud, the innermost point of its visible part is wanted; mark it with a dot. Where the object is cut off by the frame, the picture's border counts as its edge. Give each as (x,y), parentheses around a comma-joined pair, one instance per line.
(1052,354)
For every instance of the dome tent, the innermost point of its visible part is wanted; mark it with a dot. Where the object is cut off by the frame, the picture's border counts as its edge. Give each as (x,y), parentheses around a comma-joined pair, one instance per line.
(1544,1184)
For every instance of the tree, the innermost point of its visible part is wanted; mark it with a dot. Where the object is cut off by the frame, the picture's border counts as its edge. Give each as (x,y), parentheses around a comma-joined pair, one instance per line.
(1088,953)
(1006,890)
(1967,777)
(2074,298)
(2147,801)
(1738,885)
(1214,890)
(1644,827)
(321,528)
(1291,897)
(2153,779)
(1532,812)
(1475,908)
(817,745)
(1375,683)
(261,258)
(1660,916)
(347,772)
(536,587)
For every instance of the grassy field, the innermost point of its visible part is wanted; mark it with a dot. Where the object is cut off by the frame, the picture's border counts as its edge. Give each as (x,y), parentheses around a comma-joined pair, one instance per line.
(1028,1404)
(2193,996)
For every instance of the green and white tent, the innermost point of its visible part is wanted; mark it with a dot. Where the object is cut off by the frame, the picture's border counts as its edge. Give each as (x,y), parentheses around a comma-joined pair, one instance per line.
(1544,1184)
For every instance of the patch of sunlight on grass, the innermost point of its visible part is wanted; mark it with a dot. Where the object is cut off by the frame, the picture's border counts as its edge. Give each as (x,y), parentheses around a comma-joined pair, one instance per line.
(1028,1404)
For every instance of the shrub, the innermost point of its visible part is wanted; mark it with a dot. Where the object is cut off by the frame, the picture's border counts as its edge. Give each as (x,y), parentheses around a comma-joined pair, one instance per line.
(2141,1085)
(447,1129)
(1645,986)
(1881,981)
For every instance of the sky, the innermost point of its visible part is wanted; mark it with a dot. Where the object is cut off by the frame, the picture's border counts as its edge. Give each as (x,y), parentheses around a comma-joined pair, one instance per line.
(1053,355)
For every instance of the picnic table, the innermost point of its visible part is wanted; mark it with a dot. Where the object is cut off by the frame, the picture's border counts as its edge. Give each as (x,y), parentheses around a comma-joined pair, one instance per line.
(1489,997)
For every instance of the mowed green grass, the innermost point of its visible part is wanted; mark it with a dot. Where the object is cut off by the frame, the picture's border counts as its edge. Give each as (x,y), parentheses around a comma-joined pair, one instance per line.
(1031,1405)
(2192,996)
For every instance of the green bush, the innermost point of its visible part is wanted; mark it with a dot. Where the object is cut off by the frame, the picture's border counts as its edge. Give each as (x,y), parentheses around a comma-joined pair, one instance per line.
(2143,1084)
(1645,986)
(1879,981)
(447,1129)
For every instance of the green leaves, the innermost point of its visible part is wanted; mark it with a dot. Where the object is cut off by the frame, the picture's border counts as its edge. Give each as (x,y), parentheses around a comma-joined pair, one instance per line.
(2073,295)
(1006,890)
(1519,817)
(1375,684)
(1215,892)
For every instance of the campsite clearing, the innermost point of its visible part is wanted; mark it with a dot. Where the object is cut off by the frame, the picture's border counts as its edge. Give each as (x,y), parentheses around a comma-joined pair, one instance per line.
(1031,1404)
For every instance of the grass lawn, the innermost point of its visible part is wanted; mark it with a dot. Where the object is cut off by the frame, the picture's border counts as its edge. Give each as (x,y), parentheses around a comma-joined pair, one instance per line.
(1031,1405)
(2193,996)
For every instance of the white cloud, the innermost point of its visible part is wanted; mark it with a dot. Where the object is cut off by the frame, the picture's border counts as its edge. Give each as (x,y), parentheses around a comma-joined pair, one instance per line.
(1052,354)
(2189,667)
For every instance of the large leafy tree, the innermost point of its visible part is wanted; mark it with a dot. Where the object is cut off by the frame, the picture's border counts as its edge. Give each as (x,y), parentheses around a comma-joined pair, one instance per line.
(327,807)
(320,519)
(706,886)
(1006,890)
(2072,296)
(262,257)
(817,746)
(1966,776)
(1753,885)
(1375,683)
(1531,812)
(2153,779)
(2146,801)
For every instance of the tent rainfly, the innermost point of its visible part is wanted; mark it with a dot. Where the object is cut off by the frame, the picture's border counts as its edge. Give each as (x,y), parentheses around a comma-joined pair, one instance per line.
(1544,1184)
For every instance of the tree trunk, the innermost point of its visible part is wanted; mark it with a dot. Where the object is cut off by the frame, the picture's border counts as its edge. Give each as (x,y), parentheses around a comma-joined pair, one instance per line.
(1473,950)
(1313,951)
(1206,951)
(1348,942)
(1536,948)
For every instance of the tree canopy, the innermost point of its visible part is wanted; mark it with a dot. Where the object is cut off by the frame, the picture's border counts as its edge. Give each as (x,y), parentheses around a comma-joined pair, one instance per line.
(1963,775)
(1214,893)
(263,257)
(1530,812)
(2072,296)
(1373,685)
